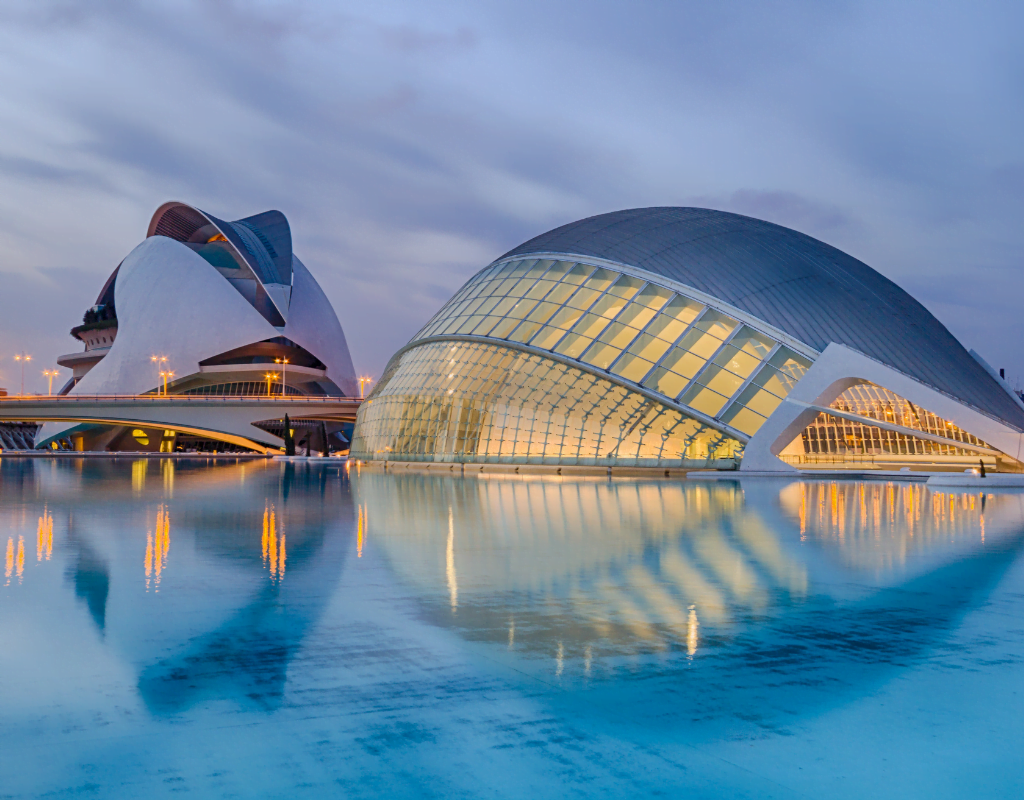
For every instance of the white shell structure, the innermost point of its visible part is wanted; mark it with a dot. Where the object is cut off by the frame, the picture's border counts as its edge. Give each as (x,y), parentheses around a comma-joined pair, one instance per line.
(173,303)
(216,305)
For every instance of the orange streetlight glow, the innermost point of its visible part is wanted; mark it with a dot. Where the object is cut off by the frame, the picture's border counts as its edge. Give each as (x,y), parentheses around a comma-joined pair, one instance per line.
(284,373)
(362,382)
(50,374)
(159,361)
(23,357)
(271,377)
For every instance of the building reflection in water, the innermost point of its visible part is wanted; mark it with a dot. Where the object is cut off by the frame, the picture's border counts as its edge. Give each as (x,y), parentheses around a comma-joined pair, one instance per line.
(582,569)
(157,547)
(229,523)
(274,549)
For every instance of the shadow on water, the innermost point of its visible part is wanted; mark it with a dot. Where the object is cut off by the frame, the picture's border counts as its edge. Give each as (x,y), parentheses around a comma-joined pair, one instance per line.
(245,659)
(206,577)
(694,605)
(90,576)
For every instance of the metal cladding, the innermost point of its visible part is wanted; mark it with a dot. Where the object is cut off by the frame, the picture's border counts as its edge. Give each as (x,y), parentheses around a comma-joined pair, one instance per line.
(801,286)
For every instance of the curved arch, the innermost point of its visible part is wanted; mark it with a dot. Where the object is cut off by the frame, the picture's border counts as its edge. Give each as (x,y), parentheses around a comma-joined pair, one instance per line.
(251,248)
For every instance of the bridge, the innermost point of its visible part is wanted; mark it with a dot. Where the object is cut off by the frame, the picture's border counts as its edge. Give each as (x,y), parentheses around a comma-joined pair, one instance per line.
(223,418)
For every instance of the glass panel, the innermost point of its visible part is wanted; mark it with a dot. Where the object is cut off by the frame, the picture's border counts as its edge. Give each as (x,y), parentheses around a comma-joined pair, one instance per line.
(699,343)
(602,355)
(686,364)
(539,289)
(560,293)
(547,337)
(539,268)
(743,419)
(653,296)
(590,325)
(524,332)
(523,409)
(668,383)
(632,368)
(608,306)
(572,345)
(559,269)
(721,380)
(736,361)
(716,323)
(520,268)
(619,335)
(584,298)
(646,346)
(542,312)
(756,398)
(601,279)
(781,380)
(578,274)
(750,341)
(503,328)
(625,287)
(704,400)
(636,315)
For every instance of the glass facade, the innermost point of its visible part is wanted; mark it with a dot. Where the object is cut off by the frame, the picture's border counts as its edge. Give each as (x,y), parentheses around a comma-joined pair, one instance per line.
(835,436)
(639,332)
(469,401)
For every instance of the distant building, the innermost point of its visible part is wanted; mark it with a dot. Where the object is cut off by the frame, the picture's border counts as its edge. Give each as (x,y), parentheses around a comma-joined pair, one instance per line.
(685,337)
(217,306)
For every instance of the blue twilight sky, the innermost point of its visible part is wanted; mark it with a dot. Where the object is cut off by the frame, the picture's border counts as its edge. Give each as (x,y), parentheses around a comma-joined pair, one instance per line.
(410,143)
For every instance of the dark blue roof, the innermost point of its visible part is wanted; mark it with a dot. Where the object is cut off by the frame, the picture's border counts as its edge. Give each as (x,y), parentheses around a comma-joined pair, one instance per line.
(808,289)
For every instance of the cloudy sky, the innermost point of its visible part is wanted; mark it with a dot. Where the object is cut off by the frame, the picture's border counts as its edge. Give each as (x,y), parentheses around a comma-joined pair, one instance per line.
(410,143)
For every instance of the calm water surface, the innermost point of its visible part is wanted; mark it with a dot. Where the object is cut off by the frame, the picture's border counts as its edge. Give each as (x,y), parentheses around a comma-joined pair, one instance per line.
(272,630)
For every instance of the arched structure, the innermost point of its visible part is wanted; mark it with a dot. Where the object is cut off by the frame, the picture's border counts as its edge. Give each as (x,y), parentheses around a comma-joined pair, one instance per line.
(680,337)
(206,306)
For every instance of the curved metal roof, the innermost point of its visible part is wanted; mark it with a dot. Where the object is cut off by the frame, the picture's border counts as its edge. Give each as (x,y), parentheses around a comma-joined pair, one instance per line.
(804,287)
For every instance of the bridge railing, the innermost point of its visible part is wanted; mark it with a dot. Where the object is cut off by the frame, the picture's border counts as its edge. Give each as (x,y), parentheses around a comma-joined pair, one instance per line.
(179,398)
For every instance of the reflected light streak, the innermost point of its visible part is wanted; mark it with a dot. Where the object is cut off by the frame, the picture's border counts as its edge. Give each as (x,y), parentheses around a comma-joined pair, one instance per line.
(691,632)
(453,584)
(9,568)
(275,549)
(44,536)
(20,561)
(359,534)
(560,660)
(157,548)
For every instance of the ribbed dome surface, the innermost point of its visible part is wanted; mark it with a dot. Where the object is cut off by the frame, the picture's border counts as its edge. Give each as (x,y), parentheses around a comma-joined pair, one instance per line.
(808,289)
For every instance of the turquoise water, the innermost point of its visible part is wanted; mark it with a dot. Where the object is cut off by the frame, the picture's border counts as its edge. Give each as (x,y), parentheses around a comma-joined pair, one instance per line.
(290,630)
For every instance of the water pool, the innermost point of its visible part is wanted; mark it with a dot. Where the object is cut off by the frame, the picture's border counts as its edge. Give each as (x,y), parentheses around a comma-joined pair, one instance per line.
(290,630)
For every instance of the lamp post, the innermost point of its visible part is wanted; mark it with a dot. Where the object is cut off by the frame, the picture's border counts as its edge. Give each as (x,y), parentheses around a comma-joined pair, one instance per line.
(23,357)
(362,382)
(165,374)
(158,360)
(271,377)
(284,374)
(50,374)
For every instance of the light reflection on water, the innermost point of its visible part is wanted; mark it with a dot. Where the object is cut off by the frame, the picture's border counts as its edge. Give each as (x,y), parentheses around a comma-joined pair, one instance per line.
(576,569)
(698,611)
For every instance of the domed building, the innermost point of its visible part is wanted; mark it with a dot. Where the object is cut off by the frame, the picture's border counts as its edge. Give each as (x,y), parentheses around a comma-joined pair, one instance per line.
(687,338)
(206,306)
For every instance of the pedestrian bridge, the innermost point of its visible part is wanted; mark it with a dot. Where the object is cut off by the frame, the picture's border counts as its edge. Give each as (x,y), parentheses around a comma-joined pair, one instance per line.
(223,418)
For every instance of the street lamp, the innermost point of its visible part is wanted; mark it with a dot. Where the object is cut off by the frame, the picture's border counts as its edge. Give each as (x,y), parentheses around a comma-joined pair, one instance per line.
(158,361)
(271,377)
(50,374)
(23,357)
(284,373)
(362,382)
(165,374)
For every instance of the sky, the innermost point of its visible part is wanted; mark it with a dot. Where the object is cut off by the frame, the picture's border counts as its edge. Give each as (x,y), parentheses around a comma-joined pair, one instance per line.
(411,143)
